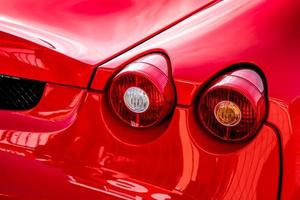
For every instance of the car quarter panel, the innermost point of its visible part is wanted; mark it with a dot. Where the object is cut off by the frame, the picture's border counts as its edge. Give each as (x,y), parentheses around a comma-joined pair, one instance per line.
(92,31)
(99,157)
(264,33)
(259,32)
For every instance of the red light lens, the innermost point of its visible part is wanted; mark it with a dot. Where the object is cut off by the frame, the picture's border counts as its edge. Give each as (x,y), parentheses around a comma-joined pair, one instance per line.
(141,95)
(233,107)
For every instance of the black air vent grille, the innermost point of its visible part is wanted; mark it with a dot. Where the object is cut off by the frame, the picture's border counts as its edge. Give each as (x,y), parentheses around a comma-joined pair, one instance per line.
(19,94)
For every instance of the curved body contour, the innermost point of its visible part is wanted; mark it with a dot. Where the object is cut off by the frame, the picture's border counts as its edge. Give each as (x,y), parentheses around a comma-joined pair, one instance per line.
(71,145)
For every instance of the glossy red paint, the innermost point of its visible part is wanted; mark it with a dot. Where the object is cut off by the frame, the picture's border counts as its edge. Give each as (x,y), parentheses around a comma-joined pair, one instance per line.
(92,154)
(92,30)
(258,32)
(101,157)
(25,59)
(87,32)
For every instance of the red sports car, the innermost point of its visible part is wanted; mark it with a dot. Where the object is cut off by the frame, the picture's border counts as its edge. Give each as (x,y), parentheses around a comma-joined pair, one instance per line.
(149,99)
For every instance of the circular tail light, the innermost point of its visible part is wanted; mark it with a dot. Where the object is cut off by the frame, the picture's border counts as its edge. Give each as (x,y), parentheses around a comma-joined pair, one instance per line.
(234,105)
(142,94)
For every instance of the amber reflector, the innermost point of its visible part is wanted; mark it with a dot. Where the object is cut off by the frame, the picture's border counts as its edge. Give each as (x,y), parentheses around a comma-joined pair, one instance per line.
(233,107)
(227,113)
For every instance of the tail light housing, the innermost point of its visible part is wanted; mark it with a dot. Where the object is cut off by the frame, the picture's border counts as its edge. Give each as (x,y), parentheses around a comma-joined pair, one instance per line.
(142,94)
(234,105)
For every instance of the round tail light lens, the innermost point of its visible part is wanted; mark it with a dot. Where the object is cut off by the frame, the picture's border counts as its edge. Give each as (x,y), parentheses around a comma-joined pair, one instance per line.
(142,94)
(234,105)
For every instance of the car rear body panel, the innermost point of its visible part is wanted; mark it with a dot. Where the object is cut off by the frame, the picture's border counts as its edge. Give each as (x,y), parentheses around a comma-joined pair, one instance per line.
(178,158)
(99,157)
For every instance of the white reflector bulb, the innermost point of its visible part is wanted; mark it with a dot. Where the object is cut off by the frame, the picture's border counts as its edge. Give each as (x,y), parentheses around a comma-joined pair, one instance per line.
(136,100)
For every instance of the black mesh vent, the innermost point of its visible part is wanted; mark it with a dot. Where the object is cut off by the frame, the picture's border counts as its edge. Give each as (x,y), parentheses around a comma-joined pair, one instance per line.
(19,94)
